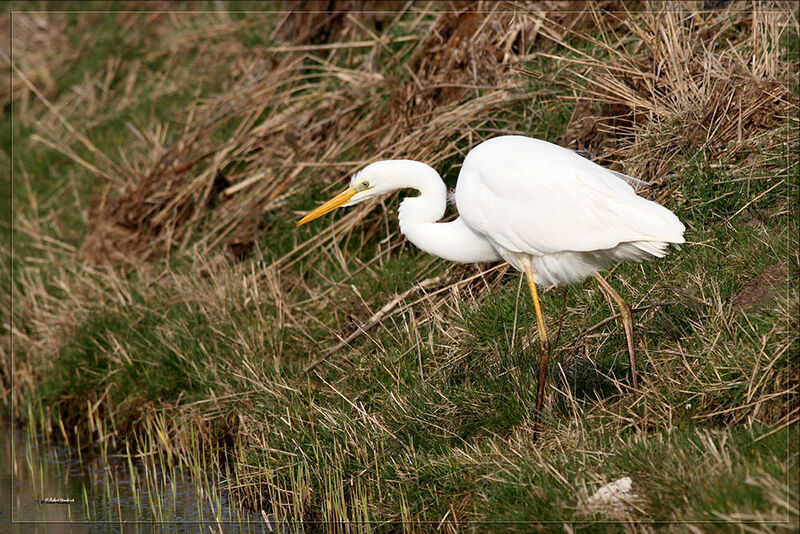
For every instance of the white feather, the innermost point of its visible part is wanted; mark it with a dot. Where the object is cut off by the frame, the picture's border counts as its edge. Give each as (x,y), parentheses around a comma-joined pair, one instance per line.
(571,216)
(521,198)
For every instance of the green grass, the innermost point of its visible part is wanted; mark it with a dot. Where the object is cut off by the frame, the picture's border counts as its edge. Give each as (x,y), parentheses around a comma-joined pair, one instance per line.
(428,416)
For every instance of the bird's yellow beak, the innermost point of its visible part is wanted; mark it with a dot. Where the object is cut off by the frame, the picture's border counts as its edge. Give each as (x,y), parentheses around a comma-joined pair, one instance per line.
(329,206)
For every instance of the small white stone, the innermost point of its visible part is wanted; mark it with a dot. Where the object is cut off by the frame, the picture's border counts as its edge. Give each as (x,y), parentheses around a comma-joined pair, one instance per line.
(614,496)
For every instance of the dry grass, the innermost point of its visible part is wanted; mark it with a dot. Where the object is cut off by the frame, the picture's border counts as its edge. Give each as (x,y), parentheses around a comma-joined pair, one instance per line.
(674,80)
(161,282)
(292,119)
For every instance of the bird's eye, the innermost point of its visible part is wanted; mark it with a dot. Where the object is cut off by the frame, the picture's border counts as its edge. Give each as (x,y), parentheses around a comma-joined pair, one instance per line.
(362,186)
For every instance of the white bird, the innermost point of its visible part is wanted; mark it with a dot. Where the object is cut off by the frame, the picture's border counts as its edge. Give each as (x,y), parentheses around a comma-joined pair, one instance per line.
(544,209)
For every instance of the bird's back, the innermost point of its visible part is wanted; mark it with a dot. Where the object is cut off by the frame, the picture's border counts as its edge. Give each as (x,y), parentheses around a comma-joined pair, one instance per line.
(533,197)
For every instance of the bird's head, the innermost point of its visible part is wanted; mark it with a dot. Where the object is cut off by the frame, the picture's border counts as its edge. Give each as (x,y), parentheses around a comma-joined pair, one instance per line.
(374,180)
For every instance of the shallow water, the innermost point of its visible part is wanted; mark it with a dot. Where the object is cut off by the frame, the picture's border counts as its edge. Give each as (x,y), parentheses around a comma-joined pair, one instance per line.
(47,487)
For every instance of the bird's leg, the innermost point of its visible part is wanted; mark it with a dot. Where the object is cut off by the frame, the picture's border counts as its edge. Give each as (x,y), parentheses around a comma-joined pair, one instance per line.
(544,343)
(627,323)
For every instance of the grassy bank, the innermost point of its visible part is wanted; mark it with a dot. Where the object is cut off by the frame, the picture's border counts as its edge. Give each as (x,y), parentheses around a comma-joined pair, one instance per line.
(162,294)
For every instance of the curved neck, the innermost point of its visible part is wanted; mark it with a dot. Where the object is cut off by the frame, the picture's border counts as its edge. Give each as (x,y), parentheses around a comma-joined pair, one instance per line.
(430,205)
(418,216)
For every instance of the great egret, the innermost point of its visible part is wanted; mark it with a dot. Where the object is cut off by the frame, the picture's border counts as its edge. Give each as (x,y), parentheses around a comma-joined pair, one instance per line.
(544,209)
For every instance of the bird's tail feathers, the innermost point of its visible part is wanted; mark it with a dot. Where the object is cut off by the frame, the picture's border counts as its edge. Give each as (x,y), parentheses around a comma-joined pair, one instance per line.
(654,248)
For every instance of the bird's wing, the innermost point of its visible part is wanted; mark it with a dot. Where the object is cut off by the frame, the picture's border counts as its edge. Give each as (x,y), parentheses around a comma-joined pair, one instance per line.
(635,183)
(541,198)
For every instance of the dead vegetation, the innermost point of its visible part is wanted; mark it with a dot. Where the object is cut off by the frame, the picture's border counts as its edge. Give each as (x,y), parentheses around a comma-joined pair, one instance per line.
(285,134)
(762,288)
(674,80)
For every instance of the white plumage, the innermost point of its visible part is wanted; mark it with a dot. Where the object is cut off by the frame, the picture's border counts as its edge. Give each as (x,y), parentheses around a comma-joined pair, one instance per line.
(521,198)
(572,216)
(544,209)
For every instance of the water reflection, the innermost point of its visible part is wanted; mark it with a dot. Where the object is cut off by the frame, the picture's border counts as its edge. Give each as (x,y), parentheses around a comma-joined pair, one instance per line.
(57,489)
